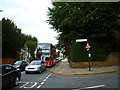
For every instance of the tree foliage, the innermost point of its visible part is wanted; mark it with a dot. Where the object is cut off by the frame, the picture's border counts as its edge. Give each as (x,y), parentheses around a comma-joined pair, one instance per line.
(31,47)
(13,40)
(78,53)
(93,20)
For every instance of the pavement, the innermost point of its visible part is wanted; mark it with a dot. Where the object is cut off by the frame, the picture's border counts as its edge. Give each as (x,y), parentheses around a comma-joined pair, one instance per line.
(63,68)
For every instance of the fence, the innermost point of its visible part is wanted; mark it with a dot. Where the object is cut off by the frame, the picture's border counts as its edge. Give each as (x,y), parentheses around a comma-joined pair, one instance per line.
(8,60)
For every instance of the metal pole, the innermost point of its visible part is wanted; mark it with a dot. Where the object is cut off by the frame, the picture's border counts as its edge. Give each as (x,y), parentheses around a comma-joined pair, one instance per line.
(89,59)
(88,49)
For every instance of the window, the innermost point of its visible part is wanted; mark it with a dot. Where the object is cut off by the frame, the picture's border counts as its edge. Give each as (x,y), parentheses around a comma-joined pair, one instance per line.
(6,69)
(35,63)
(24,62)
(18,62)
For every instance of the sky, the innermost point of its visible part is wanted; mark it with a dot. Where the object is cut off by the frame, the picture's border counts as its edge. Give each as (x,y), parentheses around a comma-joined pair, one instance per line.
(30,17)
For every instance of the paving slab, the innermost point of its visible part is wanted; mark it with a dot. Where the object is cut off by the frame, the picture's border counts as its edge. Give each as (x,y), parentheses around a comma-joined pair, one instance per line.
(63,68)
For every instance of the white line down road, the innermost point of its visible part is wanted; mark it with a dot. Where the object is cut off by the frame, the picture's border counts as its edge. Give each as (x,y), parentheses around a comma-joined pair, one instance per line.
(44,80)
(24,84)
(33,84)
(90,87)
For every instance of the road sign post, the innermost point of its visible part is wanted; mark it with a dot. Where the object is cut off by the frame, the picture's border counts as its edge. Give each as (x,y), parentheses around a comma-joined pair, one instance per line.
(89,55)
(87,47)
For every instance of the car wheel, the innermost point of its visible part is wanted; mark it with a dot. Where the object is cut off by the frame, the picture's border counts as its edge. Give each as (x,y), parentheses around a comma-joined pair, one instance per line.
(40,71)
(26,72)
(17,81)
(45,69)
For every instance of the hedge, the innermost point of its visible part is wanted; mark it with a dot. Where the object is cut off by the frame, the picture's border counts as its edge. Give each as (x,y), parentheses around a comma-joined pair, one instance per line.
(78,52)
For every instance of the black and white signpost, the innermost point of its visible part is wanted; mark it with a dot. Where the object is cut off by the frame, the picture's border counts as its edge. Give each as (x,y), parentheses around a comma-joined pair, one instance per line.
(88,49)
(89,55)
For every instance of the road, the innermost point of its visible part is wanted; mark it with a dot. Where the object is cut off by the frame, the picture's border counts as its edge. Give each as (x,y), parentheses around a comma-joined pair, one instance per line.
(105,81)
(49,80)
(33,80)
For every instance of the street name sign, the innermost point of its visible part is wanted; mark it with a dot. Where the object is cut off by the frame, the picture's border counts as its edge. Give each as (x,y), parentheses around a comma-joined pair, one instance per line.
(81,40)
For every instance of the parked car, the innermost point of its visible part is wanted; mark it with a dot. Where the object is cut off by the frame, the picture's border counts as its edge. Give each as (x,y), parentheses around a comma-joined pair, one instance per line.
(35,66)
(58,59)
(20,64)
(11,76)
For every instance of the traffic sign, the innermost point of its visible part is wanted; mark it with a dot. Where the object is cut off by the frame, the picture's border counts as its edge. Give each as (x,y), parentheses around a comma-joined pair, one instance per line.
(87,46)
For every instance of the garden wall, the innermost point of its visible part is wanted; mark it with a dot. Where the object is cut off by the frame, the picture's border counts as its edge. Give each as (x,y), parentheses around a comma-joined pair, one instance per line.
(8,60)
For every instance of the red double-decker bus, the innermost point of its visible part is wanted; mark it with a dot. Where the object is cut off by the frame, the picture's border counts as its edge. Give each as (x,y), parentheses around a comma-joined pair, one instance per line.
(47,53)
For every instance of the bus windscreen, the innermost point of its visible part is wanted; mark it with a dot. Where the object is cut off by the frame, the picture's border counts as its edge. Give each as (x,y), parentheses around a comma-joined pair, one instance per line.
(47,59)
(44,46)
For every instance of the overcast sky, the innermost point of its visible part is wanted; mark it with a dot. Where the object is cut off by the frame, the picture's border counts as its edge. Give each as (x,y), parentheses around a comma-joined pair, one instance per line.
(30,17)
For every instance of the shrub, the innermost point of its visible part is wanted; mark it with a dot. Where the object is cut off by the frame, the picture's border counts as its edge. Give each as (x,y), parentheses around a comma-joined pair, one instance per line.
(97,51)
(78,52)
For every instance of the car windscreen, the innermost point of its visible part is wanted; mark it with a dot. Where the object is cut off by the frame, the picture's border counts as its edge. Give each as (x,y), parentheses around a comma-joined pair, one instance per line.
(35,63)
(18,62)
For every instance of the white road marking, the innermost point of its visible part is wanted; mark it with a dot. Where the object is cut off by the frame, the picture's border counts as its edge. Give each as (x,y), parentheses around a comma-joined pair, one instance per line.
(49,74)
(32,85)
(93,87)
(35,83)
(24,84)
(39,86)
(46,77)
(42,83)
(44,80)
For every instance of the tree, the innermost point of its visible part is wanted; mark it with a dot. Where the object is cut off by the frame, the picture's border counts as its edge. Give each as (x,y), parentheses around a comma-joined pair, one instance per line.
(117,31)
(31,47)
(94,21)
(11,39)
(31,43)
